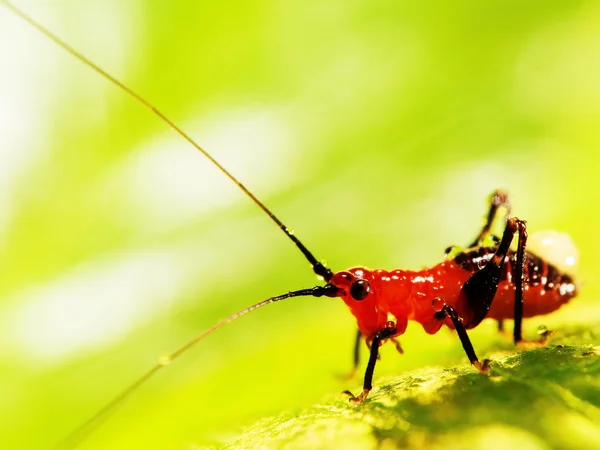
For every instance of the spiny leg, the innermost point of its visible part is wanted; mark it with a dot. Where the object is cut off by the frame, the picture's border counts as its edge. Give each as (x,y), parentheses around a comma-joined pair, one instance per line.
(498,199)
(519,277)
(449,311)
(479,290)
(386,333)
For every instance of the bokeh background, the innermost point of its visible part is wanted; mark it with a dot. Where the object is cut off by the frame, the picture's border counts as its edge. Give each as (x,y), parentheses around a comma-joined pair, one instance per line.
(376,130)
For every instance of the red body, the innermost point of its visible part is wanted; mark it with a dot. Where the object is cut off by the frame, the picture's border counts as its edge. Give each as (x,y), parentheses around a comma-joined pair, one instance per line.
(408,295)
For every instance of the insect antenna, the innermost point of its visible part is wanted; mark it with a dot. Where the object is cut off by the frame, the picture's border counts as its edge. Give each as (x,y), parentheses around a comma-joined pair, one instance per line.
(317,266)
(84,430)
(329,290)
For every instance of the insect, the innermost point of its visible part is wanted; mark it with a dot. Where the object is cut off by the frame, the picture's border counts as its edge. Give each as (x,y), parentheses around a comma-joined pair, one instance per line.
(458,292)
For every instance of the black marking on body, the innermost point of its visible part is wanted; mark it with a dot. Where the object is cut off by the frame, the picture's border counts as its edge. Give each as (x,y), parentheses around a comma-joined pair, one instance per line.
(537,271)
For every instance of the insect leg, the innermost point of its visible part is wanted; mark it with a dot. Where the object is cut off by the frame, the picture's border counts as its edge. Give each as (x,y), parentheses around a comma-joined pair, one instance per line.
(519,270)
(501,326)
(479,290)
(518,275)
(355,356)
(386,333)
(449,311)
(356,352)
(498,199)
(398,346)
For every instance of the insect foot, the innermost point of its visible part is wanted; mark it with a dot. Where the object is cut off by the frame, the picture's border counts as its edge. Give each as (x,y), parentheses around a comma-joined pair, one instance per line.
(483,367)
(357,400)
(398,346)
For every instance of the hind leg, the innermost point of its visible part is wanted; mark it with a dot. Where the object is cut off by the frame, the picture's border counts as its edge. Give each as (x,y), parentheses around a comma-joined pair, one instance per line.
(499,199)
(519,277)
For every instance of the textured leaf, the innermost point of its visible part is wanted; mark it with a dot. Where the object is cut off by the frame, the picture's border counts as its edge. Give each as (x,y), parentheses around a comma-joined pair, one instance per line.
(537,399)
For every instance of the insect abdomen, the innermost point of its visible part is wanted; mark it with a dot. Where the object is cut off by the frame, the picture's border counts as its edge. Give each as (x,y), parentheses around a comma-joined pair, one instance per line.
(546,288)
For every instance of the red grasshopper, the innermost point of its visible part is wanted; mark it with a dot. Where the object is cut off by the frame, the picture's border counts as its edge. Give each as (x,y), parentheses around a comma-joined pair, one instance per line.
(482,281)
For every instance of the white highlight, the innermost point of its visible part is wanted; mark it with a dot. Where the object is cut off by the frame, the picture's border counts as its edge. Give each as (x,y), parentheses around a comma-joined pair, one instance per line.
(556,248)
(92,305)
(420,279)
(22,105)
(98,302)
(33,76)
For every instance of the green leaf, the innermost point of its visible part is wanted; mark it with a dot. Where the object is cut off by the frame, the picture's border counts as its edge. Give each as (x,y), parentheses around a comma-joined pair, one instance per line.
(376,132)
(537,399)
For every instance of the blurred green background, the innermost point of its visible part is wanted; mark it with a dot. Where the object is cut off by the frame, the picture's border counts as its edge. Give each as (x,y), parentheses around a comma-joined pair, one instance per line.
(376,129)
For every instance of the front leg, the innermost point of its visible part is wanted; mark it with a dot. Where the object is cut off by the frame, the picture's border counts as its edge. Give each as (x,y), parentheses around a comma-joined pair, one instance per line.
(355,356)
(386,333)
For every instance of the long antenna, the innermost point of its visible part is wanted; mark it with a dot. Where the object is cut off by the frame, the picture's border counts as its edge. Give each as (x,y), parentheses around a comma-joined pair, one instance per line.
(79,434)
(318,267)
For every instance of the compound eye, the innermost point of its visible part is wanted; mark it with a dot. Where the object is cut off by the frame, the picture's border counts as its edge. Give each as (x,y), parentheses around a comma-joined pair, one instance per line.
(360,289)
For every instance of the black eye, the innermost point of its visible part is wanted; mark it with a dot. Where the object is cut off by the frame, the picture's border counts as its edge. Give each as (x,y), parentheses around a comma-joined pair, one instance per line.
(360,289)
